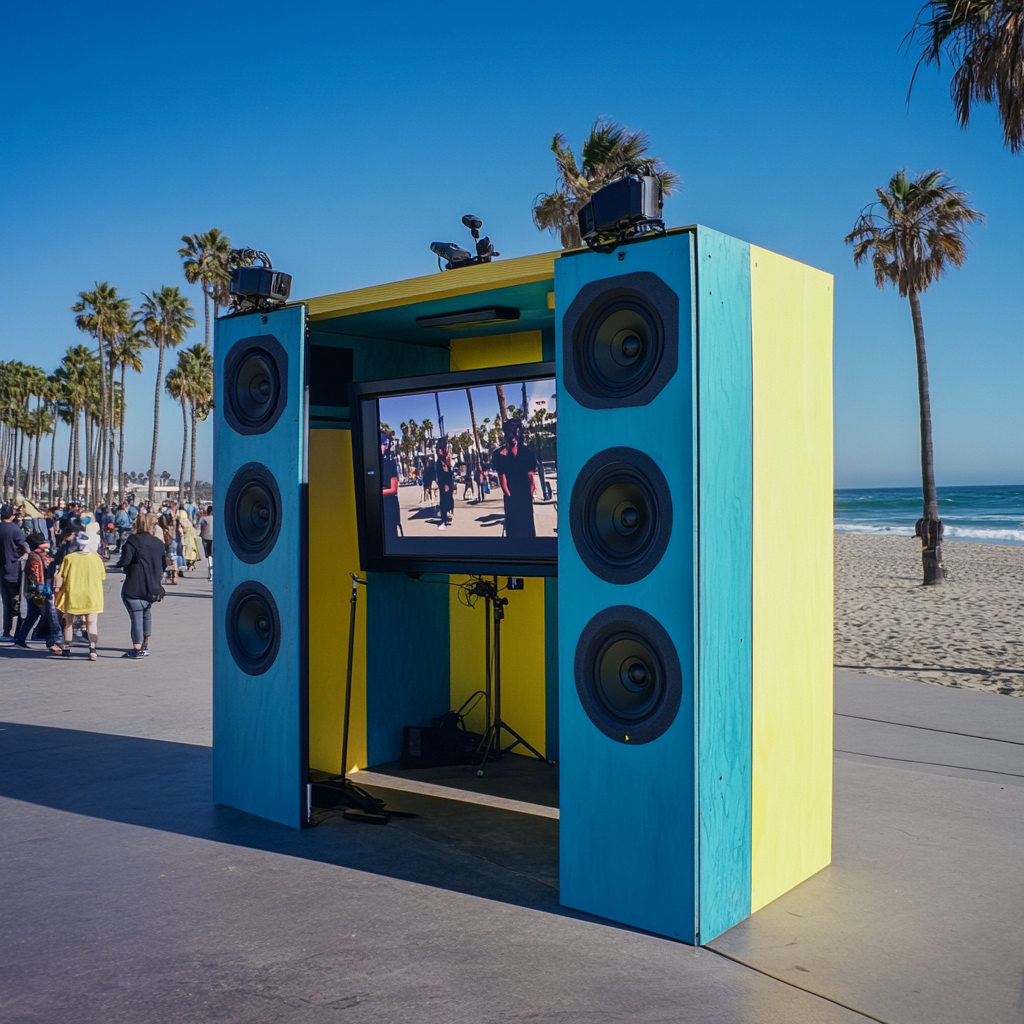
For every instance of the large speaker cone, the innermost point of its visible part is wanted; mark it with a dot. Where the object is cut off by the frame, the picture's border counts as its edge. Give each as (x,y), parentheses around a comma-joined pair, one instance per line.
(620,515)
(255,384)
(253,627)
(252,512)
(628,675)
(621,341)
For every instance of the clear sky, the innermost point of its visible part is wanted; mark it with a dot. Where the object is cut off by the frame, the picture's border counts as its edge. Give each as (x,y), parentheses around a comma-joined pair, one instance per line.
(344,138)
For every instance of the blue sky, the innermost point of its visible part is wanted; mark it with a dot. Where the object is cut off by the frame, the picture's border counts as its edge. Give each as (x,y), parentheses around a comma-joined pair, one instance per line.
(344,138)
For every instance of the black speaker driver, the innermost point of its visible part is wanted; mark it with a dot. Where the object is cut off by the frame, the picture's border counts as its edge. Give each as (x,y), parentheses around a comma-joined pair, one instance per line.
(620,515)
(253,627)
(628,675)
(621,341)
(255,384)
(252,513)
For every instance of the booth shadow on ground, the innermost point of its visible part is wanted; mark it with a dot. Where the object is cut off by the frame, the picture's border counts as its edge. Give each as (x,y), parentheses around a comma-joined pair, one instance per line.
(156,784)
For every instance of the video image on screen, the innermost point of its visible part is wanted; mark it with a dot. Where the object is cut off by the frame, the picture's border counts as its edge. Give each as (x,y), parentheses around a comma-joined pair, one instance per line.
(470,471)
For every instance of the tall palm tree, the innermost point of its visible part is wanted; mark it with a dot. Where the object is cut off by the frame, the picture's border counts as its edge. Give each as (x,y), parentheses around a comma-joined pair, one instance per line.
(912,233)
(197,365)
(607,150)
(177,387)
(166,317)
(984,41)
(205,259)
(128,355)
(102,313)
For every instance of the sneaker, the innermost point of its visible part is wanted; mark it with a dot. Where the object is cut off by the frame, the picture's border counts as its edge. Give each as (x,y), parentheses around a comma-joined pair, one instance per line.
(133,654)
(442,527)
(92,654)
(23,646)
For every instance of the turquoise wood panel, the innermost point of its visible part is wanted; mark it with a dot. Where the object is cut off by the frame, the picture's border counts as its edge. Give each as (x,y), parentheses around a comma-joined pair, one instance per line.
(551,665)
(407,659)
(259,727)
(724,658)
(628,831)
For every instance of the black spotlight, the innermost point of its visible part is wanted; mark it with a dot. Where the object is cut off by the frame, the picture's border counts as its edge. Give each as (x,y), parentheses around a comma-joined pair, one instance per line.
(252,512)
(455,256)
(628,675)
(620,515)
(624,208)
(623,341)
(257,288)
(253,627)
(255,384)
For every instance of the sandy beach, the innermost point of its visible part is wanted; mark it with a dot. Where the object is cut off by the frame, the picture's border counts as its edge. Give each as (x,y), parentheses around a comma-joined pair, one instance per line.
(968,633)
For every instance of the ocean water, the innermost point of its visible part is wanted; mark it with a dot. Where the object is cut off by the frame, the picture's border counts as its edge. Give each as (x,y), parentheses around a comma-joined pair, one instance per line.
(985,515)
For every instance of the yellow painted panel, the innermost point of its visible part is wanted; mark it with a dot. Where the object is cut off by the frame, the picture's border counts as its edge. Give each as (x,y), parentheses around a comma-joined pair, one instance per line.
(496,350)
(522,632)
(332,528)
(465,281)
(791,307)
(522,660)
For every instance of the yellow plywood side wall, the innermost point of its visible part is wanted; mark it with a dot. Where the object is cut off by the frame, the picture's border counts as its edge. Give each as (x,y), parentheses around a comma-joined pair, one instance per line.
(791,307)
(497,350)
(333,554)
(522,632)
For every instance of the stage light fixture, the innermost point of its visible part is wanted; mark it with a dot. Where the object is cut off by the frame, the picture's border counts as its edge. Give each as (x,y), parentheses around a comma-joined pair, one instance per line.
(455,256)
(470,317)
(258,288)
(623,209)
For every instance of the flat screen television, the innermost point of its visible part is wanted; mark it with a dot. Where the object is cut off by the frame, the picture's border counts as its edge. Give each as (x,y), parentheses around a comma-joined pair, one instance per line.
(458,472)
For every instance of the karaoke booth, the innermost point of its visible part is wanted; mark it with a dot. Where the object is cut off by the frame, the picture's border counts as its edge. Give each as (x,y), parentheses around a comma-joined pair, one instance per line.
(671,648)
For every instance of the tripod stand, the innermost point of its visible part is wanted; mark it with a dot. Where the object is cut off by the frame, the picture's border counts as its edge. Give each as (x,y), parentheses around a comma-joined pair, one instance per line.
(490,744)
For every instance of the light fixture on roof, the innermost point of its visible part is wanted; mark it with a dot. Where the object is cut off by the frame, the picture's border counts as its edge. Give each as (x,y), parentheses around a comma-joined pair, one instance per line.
(481,317)
(455,256)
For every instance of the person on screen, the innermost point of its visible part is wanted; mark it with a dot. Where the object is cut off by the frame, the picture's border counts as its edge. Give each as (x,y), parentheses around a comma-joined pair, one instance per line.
(445,476)
(516,466)
(429,473)
(389,481)
(467,482)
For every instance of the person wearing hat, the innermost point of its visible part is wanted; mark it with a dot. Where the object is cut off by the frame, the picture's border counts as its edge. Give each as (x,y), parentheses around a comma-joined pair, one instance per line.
(39,573)
(80,591)
(12,549)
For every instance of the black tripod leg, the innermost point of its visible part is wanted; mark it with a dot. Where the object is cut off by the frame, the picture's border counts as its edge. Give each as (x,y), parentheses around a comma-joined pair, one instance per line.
(520,742)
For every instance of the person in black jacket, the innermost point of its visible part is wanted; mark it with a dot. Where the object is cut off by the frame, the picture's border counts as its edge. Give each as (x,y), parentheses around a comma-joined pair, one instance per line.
(143,560)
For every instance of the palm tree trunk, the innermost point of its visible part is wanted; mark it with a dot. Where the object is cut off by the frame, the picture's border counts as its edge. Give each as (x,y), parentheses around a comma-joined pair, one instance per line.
(78,457)
(192,472)
(156,418)
(53,457)
(120,441)
(929,529)
(206,310)
(502,410)
(67,477)
(103,405)
(184,452)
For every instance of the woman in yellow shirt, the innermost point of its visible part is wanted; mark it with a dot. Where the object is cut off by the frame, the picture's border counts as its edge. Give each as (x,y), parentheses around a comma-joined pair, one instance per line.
(80,592)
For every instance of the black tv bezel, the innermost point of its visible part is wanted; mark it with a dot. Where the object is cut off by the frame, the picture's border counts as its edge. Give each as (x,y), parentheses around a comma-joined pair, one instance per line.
(365,395)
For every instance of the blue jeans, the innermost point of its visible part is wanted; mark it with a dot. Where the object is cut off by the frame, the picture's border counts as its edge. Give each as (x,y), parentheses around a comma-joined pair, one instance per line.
(50,623)
(141,614)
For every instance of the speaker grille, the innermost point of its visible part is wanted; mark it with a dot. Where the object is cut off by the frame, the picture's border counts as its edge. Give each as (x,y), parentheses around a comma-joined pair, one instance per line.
(252,512)
(253,628)
(621,341)
(255,384)
(628,675)
(620,515)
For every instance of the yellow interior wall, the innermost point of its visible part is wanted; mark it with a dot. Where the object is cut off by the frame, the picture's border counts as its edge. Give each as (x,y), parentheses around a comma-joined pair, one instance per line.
(332,528)
(522,632)
(791,306)
(496,350)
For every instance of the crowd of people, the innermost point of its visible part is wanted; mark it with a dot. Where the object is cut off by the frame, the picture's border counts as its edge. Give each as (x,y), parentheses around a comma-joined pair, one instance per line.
(52,568)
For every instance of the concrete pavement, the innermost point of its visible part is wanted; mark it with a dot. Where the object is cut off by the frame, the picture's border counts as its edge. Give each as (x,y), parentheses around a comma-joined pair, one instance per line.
(127,896)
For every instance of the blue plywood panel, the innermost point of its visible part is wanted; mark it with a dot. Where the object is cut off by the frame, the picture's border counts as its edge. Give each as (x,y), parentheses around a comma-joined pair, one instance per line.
(628,812)
(724,658)
(407,659)
(259,727)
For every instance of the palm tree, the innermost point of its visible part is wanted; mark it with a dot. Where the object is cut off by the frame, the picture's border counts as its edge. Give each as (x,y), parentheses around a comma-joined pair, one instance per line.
(206,262)
(177,387)
(911,233)
(128,356)
(197,365)
(165,316)
(984,41)
(103,314)
(607,151)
